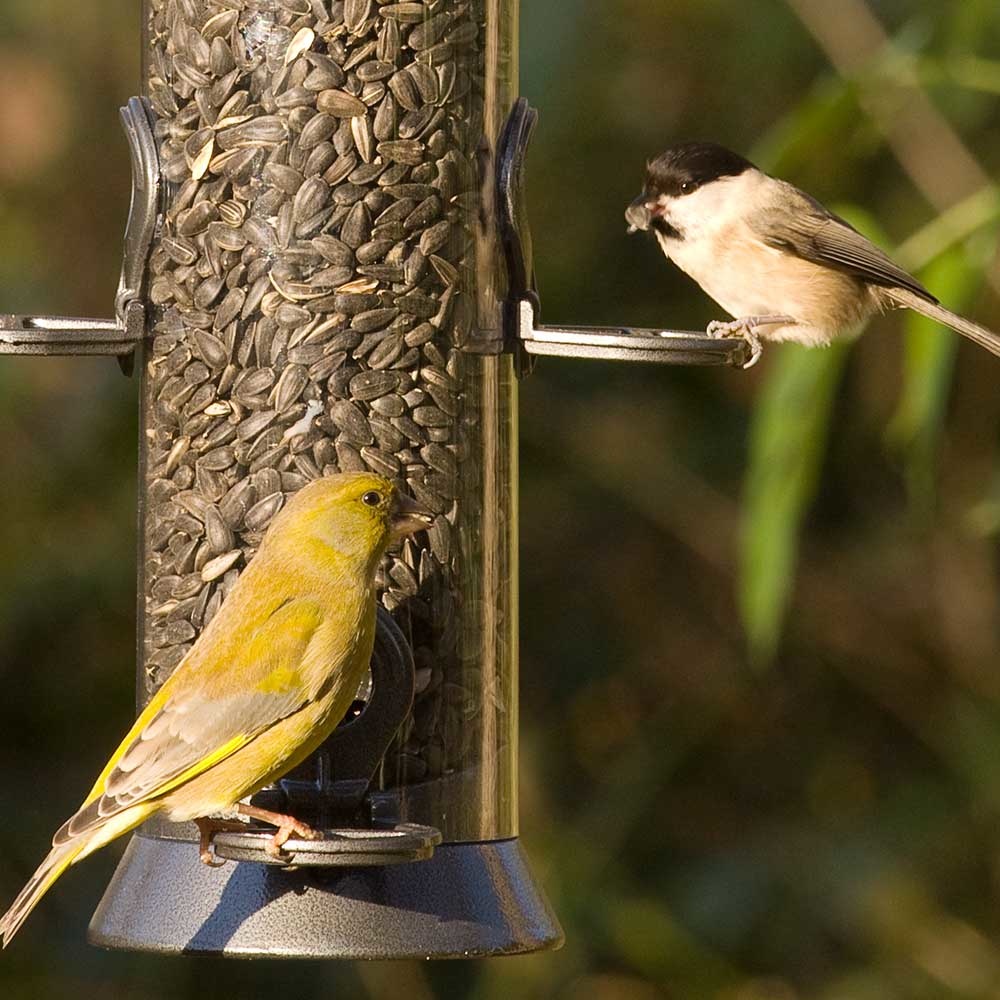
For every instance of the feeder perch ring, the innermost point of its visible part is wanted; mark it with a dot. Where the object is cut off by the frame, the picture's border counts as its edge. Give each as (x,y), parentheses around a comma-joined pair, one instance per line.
(392,844)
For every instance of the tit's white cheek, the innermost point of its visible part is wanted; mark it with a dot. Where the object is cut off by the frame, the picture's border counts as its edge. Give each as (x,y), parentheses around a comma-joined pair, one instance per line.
(714,207)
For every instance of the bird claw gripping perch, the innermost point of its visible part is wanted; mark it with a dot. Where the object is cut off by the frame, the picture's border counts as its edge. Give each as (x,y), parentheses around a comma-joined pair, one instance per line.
(286,827)
(526,337)
(207,829)
(745,328)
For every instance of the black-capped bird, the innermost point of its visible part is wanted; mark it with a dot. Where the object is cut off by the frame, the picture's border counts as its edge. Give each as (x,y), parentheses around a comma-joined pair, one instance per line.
(771,255)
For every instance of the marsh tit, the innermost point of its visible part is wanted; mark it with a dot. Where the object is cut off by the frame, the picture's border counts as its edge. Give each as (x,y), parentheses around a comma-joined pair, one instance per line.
(772,256)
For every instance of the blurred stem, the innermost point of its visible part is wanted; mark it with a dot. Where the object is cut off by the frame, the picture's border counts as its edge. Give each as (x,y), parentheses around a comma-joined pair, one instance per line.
(926,145)
(962,220)
(970,72)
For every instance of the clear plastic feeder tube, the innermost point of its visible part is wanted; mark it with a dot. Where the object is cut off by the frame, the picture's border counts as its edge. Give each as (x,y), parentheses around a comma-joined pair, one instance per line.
(320,292)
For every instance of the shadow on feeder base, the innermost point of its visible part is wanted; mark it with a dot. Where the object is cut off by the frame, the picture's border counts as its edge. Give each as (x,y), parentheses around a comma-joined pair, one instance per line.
(467,901)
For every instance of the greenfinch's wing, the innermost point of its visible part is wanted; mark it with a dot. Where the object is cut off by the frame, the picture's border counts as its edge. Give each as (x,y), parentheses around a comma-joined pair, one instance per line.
(195,721)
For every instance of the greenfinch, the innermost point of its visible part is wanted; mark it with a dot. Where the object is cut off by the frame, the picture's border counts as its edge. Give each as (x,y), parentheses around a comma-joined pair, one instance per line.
(265,684)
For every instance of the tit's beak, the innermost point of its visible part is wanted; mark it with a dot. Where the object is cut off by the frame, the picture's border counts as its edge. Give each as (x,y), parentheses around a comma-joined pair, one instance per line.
(408,516)
(638,215)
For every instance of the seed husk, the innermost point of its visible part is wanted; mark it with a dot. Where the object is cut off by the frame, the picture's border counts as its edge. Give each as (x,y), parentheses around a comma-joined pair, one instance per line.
(260,514)
(220,565)
(340,104)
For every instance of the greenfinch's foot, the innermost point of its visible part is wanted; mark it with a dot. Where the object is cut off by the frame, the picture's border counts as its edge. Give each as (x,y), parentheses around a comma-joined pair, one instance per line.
(288,826)
(207,829)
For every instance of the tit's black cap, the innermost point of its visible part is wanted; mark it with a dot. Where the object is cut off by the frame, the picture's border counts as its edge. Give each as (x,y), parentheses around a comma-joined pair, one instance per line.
(689,165)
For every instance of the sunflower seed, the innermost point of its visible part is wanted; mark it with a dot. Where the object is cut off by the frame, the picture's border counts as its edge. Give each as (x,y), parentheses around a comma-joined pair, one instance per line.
(220,565)
(259,516)
(340,104)
(351,421)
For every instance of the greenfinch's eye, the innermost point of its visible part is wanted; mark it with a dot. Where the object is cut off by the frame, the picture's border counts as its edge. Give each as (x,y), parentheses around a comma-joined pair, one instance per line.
(372,498)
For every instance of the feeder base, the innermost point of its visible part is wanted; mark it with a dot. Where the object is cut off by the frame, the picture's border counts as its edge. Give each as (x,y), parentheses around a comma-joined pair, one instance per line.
(467,901)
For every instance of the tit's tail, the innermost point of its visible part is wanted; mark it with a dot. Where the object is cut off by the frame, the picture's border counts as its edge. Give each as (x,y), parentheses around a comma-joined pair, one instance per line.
(976,333)
(62,855)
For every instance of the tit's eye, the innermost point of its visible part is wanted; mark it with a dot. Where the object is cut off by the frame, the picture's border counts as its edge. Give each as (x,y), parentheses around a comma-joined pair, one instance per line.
(687,187)
(372,498)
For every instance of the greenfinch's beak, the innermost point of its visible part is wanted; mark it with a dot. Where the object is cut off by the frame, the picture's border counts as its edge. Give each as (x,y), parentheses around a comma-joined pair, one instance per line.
(408,516)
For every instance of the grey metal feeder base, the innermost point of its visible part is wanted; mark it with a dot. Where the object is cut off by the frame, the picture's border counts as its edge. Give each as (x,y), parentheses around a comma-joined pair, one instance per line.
(467,901)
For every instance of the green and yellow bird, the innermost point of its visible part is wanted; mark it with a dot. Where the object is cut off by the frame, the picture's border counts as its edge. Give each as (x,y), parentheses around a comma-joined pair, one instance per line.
(265,684)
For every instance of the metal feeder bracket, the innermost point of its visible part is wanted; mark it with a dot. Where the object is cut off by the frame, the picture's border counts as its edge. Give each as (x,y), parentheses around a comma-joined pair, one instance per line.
(55,335)
(360,828)
(525,336)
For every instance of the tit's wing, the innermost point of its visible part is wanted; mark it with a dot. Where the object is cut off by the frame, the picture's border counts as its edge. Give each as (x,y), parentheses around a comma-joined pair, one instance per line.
(195,721)
(796,223)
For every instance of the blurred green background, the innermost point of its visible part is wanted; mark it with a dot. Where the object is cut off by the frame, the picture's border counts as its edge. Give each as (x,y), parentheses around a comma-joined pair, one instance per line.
(760,646)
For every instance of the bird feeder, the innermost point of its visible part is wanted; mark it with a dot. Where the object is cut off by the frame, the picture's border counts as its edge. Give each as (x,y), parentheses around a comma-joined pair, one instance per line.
(327,268)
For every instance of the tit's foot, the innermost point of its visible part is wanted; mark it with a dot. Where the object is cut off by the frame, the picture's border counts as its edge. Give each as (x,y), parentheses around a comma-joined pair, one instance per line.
(288,826)
(756,347)
(746,328)
(207,829)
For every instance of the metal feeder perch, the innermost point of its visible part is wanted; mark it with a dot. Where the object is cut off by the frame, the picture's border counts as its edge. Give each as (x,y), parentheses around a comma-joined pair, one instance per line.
(328,267)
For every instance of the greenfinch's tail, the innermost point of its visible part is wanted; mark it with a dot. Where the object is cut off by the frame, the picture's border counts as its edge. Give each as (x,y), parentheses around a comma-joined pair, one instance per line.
(59,859)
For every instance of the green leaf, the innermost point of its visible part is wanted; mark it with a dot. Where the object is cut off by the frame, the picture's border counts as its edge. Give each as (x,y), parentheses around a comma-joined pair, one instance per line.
(787,445)
(929,359)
